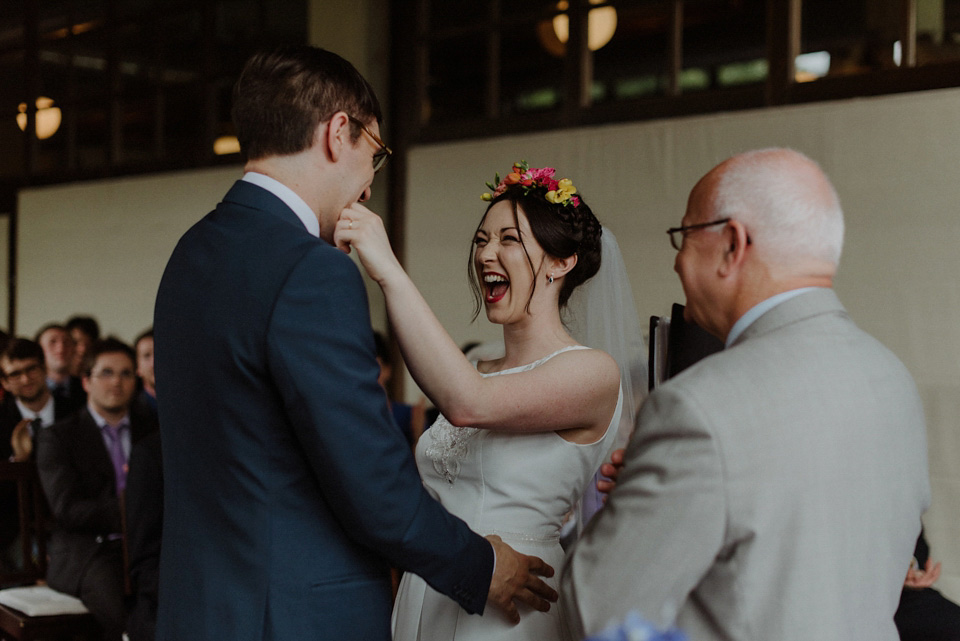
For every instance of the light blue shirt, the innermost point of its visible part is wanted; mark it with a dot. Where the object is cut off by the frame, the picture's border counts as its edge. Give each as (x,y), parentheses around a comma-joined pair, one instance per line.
(759,310)
(299,206)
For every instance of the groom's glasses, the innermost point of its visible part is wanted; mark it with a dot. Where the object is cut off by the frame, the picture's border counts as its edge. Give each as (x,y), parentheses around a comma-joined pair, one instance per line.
(380,155)
(677,234)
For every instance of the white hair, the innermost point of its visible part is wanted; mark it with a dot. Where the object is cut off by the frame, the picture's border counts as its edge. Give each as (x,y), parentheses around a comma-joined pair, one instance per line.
(786,202)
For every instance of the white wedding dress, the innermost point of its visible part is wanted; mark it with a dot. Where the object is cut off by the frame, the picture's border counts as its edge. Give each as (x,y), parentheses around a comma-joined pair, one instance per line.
(518,486)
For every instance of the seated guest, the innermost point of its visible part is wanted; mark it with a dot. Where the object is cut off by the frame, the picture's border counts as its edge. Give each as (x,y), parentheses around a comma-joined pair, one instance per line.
(83,466)
(29,403)
(144,349)
(84,330)
(925,614)
(58,351)
(27,406)
(144,496)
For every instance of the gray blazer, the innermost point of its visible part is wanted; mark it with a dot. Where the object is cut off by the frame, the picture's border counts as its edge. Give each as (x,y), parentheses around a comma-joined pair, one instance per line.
(771,492)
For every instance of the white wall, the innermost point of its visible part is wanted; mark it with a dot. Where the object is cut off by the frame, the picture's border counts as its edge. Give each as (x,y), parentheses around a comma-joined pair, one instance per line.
(100,247)
(894,161)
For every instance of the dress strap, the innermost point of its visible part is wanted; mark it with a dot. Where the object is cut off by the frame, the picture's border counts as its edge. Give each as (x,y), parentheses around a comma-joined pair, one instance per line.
(536,363)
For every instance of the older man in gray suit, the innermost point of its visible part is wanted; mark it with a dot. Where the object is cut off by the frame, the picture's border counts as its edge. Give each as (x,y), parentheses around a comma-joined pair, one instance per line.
(773,491)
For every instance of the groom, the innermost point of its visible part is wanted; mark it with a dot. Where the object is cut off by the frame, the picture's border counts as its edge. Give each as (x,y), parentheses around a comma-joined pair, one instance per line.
(289,491)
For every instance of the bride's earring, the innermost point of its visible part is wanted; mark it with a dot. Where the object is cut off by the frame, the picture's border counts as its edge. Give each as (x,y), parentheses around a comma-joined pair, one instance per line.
(550,279)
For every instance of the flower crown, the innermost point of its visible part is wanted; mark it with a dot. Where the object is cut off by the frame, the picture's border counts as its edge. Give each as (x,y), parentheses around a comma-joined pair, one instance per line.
(559,192)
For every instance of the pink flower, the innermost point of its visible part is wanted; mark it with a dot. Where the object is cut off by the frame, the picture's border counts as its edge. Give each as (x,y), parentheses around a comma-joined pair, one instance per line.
(542,174)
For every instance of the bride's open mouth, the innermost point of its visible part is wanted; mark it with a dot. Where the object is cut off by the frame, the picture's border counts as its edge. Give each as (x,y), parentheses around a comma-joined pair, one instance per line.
(496,286)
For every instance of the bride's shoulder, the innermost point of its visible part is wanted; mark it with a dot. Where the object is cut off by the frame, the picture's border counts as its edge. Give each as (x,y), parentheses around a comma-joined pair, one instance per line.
(588,363)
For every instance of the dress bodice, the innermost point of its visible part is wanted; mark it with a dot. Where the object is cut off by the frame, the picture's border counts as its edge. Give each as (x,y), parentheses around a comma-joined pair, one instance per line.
(517,485)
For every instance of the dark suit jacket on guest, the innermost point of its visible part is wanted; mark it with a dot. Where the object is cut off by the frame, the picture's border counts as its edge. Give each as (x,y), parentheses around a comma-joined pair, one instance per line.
(78,479)
(288,490)
(9,417)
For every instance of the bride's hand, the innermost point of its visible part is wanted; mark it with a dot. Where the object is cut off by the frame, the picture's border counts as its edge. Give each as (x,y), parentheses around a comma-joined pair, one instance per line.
(361,229)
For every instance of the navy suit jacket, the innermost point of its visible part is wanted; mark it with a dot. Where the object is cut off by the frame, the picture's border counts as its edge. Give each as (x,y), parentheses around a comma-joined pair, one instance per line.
(288,489)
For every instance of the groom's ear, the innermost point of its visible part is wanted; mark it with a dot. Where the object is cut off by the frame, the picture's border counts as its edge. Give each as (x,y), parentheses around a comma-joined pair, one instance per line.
(333,135)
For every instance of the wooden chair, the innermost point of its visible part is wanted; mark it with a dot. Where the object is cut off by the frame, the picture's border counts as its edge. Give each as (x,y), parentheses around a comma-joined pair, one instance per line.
(15,625)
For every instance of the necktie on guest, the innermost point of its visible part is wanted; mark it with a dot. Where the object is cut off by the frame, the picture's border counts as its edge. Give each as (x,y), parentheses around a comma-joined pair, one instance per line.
(117,455)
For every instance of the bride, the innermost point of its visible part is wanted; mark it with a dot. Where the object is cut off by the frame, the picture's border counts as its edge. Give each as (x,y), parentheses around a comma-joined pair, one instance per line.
(520,437)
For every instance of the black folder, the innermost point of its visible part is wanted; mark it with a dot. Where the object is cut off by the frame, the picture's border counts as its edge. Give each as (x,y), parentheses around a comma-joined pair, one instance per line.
(676,344)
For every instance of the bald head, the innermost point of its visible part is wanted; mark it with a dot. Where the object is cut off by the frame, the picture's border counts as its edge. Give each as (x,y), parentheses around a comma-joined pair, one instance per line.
(759,224)
(788,206)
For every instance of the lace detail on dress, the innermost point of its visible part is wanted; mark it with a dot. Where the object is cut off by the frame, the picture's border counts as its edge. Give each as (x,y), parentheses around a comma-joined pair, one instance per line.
(448,447)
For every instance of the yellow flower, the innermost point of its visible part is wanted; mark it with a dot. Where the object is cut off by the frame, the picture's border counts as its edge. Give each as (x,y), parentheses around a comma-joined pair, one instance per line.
(562,193)
(486,197)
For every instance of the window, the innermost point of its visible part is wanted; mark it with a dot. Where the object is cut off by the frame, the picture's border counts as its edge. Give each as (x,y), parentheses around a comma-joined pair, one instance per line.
(475,68)
(132,85)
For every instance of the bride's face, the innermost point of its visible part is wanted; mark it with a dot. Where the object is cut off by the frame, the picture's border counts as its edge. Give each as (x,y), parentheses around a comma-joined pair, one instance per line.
(506,266)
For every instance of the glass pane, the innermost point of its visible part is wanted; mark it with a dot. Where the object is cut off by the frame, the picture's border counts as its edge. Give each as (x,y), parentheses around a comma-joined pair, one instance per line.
(11,25)
(848,37)
(938,31)
(183,122)
(724,44)
(92,136)
(531,75)
(633,63)
(457,81)
(138,125)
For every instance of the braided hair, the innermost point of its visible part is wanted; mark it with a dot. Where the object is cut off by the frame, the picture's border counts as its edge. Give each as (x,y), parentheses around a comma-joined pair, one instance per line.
(562,230)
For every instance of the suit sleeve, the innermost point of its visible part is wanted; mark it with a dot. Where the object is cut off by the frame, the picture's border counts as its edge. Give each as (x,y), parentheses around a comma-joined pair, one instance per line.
(322,356)
(662,525)
(62,486)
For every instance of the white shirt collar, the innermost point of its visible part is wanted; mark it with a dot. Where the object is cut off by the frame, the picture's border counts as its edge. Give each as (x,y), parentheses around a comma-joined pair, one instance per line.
(102,422)
(289,198)
(759,310)
(46,413)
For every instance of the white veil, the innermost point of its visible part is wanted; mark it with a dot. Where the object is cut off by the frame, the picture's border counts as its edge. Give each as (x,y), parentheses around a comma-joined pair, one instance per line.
(601,314)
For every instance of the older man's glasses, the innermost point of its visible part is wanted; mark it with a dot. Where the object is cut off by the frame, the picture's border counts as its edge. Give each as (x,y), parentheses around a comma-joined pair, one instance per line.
(677,234)
(380,155)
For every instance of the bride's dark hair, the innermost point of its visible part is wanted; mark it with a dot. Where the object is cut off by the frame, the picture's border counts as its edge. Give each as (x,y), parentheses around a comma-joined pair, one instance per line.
(561,230)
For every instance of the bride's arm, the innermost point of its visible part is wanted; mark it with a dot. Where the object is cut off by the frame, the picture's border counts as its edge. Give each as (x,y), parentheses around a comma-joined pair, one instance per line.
(577,389)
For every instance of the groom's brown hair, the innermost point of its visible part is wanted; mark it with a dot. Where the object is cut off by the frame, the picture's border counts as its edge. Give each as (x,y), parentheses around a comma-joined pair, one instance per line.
(282,95)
